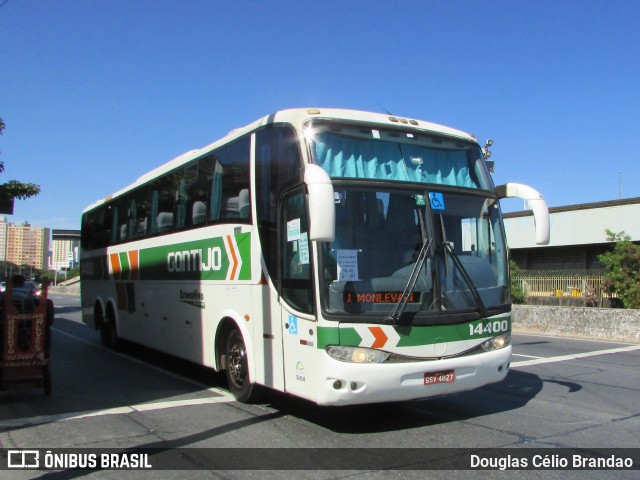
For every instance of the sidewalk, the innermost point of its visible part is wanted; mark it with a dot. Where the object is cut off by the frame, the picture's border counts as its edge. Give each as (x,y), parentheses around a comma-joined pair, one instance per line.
(69,290)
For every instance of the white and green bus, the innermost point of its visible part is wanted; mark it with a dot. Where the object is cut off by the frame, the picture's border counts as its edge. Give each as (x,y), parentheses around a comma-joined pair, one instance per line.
(340,256)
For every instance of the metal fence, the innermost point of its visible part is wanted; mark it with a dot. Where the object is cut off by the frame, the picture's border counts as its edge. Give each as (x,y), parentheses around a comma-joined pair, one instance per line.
(563,283)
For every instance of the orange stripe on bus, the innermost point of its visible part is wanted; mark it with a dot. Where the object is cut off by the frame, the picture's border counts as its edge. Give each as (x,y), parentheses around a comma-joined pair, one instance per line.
(133,264)
(233,256)
(380,337)
(116,268)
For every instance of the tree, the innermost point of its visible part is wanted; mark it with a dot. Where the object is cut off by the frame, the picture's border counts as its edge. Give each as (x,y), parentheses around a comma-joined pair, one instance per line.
(517,293)
(622,269)
(13,188)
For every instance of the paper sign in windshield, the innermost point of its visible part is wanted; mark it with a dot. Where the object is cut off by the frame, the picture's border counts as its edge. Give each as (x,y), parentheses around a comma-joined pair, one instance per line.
(347,265)
(303,249)
(293,230)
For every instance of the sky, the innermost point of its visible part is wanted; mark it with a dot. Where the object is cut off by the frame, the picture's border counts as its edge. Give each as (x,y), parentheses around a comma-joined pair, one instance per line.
(94,93)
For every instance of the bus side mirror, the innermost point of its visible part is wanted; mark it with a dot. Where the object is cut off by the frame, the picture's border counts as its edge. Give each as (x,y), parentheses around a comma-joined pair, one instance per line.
(322,209)
(537,204)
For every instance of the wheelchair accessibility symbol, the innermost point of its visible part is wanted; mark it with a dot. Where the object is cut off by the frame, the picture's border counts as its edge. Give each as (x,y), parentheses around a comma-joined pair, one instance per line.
(436,200)
(293,325)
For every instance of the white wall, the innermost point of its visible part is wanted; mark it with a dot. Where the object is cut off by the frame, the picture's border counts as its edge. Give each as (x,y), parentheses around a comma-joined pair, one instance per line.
(577,227)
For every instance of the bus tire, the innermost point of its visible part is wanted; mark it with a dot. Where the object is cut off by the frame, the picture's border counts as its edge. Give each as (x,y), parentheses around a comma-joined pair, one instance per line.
(237,370)
(109,333)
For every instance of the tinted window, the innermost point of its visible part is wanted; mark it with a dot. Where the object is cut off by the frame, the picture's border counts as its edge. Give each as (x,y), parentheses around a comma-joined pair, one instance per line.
(278,168)
(212,189)
(297,288)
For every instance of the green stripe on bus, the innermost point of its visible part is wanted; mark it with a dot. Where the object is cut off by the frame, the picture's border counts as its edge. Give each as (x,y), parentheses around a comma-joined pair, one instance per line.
(205,259)
(337,336)
(328,336)
(485,328)
(124,264)
(243,240)
(198,260)
(414,336)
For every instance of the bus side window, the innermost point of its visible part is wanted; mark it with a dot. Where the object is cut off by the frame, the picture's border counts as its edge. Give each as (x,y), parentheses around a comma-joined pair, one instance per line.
(107,221)
(97,228)
(115,226)
(162,204)
(142,222)
(215,190)
(235,198)
(199,176)
(180,214)
(139,214)
(278,168)
(133,214)
(121,220)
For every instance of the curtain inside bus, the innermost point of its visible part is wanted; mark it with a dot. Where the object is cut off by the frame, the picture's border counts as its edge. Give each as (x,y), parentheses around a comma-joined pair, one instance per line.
(347,157)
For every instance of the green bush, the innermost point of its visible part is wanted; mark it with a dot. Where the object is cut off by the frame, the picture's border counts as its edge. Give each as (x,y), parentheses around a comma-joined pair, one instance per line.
(517,293)
(622,269)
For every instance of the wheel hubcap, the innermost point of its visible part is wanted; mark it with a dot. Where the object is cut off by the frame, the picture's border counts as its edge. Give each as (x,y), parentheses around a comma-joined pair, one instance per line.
(236,364)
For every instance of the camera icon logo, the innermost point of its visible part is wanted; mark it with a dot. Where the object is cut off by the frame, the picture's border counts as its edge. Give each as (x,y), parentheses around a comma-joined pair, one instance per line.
(23,459)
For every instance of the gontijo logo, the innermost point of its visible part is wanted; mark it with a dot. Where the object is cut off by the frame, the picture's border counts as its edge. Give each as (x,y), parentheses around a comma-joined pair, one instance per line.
(201,260)
(194,260)
(216,258)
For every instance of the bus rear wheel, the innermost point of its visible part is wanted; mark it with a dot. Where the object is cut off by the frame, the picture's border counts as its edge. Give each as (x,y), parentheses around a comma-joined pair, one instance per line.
(238,369)
(109,333)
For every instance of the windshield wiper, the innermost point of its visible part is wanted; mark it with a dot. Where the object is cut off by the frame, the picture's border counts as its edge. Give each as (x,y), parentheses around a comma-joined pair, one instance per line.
(448,248)
(398,310)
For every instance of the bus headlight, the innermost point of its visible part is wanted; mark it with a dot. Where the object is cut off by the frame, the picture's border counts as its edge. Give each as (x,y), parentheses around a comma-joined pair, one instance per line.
(496,343)
(356,354)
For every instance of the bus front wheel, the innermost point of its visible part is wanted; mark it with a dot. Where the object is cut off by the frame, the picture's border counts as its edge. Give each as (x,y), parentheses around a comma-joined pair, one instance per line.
(238,369)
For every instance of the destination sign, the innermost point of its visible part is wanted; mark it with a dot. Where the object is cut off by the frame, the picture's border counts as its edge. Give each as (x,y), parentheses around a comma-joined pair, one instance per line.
(379,297)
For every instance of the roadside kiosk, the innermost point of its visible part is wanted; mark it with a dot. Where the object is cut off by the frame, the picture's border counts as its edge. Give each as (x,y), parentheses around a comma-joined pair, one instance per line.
(25,336)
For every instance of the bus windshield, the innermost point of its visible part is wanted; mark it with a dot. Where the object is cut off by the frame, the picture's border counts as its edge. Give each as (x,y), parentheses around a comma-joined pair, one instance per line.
(373,153)
(436,247)
(373,266)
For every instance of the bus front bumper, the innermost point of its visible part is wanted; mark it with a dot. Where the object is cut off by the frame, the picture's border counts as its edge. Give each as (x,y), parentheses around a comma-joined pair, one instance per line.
(356,383)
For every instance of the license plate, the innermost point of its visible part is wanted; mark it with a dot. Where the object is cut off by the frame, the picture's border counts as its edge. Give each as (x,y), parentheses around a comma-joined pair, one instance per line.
(446,376)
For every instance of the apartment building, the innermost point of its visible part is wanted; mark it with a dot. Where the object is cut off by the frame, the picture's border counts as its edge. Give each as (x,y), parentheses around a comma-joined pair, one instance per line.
(4,227)
(66,245)
(26,245)
(38,247)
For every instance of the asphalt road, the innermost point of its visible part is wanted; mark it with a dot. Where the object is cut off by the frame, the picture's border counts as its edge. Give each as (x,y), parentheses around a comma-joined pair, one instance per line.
(560,393)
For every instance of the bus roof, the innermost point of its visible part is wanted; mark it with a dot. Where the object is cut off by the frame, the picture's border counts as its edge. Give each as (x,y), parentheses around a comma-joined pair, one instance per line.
(296,117)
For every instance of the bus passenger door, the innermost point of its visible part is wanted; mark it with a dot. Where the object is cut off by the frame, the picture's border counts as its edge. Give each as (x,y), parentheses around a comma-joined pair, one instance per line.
(268,337)
(300,352)
(296,297)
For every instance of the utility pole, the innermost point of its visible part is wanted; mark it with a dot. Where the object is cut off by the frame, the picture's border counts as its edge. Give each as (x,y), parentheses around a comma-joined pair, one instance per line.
(619,185)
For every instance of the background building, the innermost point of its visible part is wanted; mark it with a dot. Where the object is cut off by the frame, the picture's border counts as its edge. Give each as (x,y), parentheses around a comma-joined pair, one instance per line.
(578,234)
(65,249)
(24,249)
(4,225)
(28,246)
